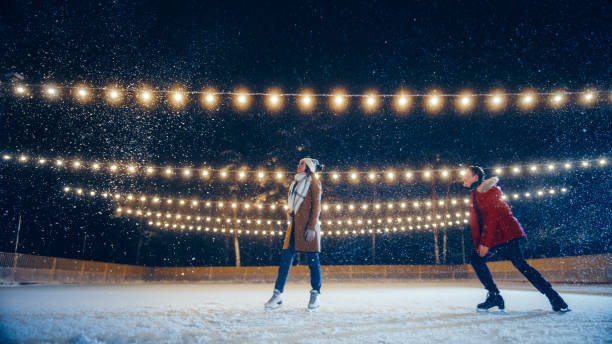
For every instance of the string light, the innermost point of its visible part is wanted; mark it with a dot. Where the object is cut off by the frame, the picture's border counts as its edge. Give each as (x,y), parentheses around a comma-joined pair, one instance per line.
(588,97)
(82,93)
(465,102)
(496,101)
(127,199)
(21,90)
(434,102)
(306,101)
(51,91)
(274,100)
(146,96)
(338,102)
(242,100)
(210,98)
(557,99)
(403,101)
(177,97)
(113,94)
(243,174)
(370,102)
(527,100)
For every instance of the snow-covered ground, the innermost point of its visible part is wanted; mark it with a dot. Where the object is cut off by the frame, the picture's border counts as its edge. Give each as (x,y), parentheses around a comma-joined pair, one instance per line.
(369,312)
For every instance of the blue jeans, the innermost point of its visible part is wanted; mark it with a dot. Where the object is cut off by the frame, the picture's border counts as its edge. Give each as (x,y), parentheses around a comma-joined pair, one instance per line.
(287,257)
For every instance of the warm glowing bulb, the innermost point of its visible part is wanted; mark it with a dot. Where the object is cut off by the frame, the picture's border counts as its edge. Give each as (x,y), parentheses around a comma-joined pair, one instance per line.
(370,102)
(527,100)
(588,97)
(145,96)
(465,102)
(20,90)
(496,101)
(306,101)
(402,101)
(113,94)
(338,101)
(209,98)
(241,99)
(274,100)
(434,102)
(82,94)
(51,91)
(178,97)
(558,99)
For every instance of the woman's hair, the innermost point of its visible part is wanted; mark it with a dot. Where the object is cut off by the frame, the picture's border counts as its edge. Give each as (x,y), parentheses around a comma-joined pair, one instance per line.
(478,171)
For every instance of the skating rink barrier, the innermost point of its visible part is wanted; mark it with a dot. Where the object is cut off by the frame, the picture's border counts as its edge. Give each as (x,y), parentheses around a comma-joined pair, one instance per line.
(23,268)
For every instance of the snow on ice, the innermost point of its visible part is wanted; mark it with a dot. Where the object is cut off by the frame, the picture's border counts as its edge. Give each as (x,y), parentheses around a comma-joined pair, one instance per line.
(368,312)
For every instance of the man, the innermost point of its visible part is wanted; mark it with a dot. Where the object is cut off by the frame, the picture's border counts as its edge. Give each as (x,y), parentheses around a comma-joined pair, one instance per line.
(497,233)
(304,233)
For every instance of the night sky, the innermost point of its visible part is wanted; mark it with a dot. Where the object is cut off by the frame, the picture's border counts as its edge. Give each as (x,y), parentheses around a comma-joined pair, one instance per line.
(424,45)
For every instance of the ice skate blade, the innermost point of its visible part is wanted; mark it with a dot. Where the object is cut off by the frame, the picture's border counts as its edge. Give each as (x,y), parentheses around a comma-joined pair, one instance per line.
(311,310)
(274,307)
(561,311)
(499,310)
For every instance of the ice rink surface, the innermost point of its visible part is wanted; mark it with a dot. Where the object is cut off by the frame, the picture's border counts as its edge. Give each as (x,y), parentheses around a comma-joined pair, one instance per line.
(365,312)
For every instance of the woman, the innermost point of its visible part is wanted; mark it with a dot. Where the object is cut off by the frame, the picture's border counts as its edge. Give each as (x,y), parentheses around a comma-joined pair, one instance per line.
(304,233)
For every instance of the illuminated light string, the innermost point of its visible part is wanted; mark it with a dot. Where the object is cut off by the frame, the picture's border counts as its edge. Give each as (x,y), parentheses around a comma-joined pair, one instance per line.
(339,99)
(279,175)
(271,232)
(157,201)
(208,224)
(208,219)
(143,200)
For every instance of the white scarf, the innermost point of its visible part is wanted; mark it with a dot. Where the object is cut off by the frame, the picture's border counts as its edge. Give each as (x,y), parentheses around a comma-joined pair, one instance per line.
(298,190)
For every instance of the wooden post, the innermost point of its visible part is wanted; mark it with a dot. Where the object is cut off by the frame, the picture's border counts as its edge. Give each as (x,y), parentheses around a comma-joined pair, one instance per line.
(15,254)
(236,242)
(105,271)
(434,213)
(463,244)
(52,274)
(82,270)
(444,240)
(374,199)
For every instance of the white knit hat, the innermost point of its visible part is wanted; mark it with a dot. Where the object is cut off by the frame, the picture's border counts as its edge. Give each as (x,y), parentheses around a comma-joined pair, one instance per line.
(312,164)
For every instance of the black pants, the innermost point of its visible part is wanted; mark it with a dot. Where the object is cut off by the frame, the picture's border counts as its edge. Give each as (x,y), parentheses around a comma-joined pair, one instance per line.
(512,251)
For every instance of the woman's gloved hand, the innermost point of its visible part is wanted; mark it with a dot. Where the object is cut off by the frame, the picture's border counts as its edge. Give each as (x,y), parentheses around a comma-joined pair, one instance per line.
(310,234)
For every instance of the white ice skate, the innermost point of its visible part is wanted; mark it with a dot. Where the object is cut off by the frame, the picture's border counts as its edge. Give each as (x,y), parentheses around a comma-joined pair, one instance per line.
(313,303)
(276,301)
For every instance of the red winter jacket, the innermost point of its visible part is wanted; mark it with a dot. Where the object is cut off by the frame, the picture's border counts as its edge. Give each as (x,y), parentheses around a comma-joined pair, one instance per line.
(498,223)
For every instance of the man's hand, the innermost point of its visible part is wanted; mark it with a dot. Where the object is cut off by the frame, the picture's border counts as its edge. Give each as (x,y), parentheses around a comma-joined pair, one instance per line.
(483,250)
(310,234)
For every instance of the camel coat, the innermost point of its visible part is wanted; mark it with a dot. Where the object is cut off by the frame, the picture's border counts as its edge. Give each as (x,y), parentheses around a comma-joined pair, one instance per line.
(307,217)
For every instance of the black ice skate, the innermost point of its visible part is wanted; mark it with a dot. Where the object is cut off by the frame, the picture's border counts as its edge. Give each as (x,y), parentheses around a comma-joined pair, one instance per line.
(493,300)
